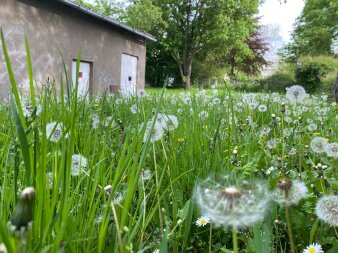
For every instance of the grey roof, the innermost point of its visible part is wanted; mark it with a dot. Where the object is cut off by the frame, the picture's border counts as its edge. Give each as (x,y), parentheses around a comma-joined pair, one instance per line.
(107,19)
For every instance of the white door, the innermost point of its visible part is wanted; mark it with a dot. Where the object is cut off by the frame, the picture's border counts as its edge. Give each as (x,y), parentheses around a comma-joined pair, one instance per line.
(128,74)
(84,78)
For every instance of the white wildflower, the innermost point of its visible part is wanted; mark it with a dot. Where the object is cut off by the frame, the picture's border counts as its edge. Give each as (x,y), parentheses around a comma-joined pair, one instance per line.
(327,210)
(79,164)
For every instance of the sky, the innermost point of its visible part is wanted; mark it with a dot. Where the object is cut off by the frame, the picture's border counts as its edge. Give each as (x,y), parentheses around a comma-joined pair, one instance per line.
(284,14)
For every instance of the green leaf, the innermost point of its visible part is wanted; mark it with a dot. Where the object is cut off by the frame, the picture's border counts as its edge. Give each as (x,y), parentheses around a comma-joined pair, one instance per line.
(183,213)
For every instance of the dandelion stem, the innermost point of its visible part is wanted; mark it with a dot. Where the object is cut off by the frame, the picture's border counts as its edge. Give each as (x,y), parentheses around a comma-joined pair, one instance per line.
(288,223)
(210,236)
(234,240)
(157,185)
(117,227)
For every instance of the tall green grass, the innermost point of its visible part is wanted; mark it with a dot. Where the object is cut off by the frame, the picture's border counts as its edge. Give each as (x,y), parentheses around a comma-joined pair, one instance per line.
(76,214)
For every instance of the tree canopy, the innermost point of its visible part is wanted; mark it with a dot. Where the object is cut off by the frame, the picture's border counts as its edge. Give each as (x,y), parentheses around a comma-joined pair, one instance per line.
(222,32)
(316,29)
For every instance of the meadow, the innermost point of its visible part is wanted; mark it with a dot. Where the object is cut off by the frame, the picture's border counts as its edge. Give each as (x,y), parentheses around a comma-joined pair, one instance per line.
(205,171)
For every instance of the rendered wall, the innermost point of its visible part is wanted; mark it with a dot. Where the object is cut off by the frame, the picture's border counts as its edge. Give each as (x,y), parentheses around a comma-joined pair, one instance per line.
(53,29)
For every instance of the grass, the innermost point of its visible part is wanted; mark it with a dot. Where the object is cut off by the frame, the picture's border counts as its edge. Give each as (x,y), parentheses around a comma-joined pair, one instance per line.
(138,213)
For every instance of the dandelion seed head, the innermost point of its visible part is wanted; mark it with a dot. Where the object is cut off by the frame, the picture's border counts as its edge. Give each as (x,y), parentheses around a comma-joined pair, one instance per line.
(79,163)
(327,210)
(134,109)
(295,94)
(271,144)
(262,108)
(318,145)
(170,122)
(230,205)
(203,115)
(312,127)
(290,192)
(332,150)
(146,175)
(54,131)
(3,248)
(156,133)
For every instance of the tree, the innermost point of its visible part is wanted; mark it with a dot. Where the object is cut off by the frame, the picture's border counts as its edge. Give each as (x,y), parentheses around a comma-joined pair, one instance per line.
(201,27)
(186,29)
(316,29)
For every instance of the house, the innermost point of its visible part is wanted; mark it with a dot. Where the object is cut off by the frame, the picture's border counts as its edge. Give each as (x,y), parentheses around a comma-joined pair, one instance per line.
(112,54)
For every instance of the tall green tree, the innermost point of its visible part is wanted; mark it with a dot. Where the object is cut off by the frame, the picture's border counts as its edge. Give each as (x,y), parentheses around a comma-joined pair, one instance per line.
(316,29)
(195,27)
(187,30)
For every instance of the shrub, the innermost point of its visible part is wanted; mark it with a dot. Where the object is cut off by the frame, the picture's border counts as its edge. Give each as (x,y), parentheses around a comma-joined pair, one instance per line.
(310,75)
(278,81)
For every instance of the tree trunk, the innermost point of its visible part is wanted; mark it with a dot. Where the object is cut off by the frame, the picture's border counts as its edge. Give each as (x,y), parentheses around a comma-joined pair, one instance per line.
(186,73)
(188,82)
(335,88)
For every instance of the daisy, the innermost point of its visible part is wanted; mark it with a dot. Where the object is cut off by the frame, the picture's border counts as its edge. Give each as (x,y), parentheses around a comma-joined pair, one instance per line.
(202,221)
(313,248)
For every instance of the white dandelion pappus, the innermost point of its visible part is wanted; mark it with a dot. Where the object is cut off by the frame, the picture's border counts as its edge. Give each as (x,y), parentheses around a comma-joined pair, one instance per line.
(95,121)
(203,115)
(253,105)
(332,150)
(271,144)
(141,93)
(318,145)
(262,108)
(54,131)
(156,133)
(295,94)
(312,127)
(216,101)
(290,192)
(3,248)
(134,109)
(79,164)
(168,122)
(327,210)
(227,205)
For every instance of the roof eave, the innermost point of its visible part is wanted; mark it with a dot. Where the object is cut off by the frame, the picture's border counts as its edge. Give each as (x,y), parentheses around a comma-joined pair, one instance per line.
(107,19)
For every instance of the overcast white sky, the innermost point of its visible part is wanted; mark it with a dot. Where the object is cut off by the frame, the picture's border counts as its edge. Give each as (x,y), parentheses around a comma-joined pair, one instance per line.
(284,14)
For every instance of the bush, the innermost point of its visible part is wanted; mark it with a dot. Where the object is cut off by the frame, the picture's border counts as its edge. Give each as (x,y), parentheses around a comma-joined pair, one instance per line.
(310,75)
(278,81)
